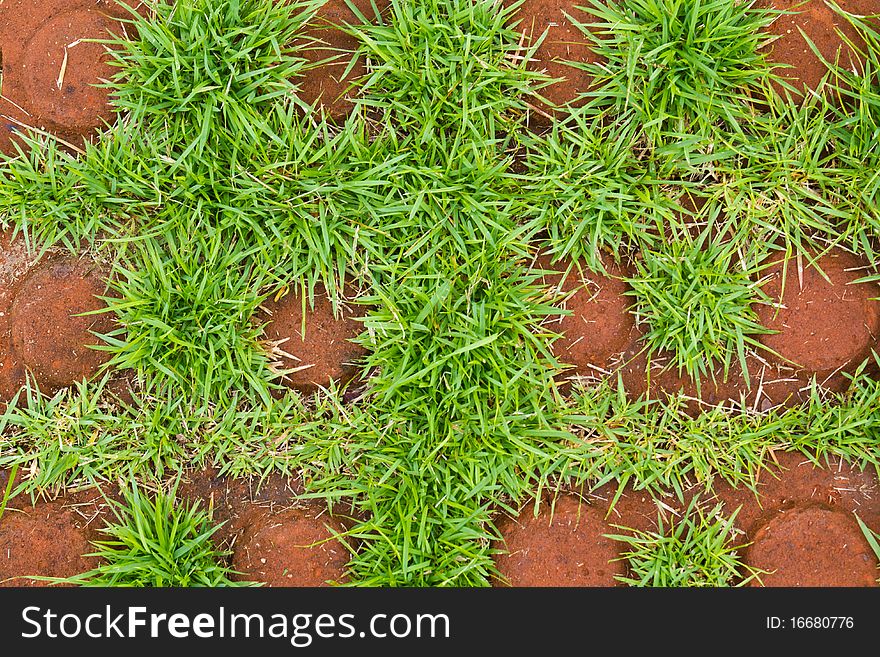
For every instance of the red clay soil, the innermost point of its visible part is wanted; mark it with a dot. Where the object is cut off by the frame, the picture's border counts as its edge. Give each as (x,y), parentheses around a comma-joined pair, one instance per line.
(657,377)
(259,524)
(40,89)
(322,354)
(824,325)
(773,383)
(600,325)
(793,483)
(14,264)
(232,500)
(813,546)
(48,540)
(327,87)
(820,23)
(564,42)
(45,334)
(295,547)
(770,383)
(564,548)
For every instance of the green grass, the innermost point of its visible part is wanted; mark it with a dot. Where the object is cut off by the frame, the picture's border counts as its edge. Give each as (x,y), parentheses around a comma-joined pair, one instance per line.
(186,305)
(656,445)
(696,550)
(86,435)
(682,68)
(873,539)
(200,70)
(7,494)
(156,541)
(217,187)
(586,187)
(697,294)
(790,183)
(857,121)
(40,196)
(446,70)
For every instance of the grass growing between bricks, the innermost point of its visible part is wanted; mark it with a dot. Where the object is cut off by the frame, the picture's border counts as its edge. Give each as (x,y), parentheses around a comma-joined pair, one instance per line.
(156,542)
(218,187)
(697,550)
(696,296)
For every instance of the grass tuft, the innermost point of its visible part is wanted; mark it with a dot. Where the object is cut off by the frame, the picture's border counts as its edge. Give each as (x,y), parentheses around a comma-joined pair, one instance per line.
(681,67)
(446,66)
(585,187)
(696,296)
(696,550)
(157,542)
(185,310)
(196,67)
